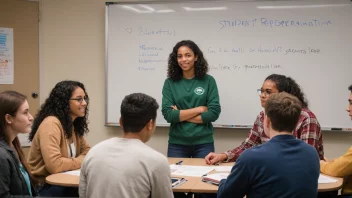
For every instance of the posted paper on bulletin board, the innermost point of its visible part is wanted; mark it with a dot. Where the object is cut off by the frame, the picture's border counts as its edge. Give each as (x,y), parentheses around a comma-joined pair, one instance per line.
(6,56)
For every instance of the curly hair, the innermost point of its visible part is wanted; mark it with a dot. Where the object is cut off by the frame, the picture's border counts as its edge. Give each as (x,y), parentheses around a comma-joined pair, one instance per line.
(287,84)
(174,71)
(57,104)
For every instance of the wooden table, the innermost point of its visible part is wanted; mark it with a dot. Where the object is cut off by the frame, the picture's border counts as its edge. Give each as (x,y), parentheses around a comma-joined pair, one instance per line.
(193,184)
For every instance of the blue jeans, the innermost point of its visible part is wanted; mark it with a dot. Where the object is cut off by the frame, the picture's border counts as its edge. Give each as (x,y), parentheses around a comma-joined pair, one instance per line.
(190,151)
(57,191)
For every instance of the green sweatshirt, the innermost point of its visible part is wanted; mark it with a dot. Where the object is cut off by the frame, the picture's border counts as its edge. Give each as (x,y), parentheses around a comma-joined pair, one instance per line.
(188,94)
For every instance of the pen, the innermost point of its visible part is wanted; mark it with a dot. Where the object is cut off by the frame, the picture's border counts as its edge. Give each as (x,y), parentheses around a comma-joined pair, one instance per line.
(179,163)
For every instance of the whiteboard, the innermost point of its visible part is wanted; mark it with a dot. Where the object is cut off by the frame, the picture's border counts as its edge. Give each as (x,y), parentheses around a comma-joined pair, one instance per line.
(243,42)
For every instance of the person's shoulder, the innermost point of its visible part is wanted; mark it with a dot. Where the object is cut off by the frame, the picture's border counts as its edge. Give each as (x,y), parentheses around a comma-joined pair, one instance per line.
(260,117)
(307,147)
(307,117)
(151,155)
(168,79)
(49,124)
(254,153)
(50,120)
(154,153)
(4,155)
(208,77)
(307,113)
(104,144)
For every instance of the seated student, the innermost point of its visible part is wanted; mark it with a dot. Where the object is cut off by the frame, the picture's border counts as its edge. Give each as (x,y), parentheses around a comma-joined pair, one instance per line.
(15,180)
(57,138)
(307,129)
(282,167)
(342,166)
(126,166)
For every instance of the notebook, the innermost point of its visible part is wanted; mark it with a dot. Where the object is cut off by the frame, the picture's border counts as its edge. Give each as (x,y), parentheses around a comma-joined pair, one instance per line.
(214,178)
(175,182)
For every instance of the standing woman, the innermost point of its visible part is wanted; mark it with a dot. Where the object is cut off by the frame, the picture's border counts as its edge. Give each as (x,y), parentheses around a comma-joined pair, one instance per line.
(190,102)
(57,138)
(15,180)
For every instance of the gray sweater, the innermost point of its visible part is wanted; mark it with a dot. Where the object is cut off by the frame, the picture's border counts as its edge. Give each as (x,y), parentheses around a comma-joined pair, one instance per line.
(125,168)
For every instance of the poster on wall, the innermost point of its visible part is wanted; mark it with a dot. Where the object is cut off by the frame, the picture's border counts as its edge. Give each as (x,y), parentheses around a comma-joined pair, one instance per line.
(6,56)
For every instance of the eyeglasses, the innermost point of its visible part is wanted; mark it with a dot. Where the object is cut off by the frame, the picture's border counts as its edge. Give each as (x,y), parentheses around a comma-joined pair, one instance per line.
(80,100)
(264,92)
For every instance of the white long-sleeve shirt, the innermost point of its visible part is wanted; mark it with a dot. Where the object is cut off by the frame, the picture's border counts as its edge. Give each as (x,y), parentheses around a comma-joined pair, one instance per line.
(125,168)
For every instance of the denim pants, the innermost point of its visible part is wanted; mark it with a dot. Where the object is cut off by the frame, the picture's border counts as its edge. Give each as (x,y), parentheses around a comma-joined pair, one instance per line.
(191,151)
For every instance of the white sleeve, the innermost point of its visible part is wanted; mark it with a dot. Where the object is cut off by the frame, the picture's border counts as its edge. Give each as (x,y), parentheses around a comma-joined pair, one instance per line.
(161,181)
(82,182)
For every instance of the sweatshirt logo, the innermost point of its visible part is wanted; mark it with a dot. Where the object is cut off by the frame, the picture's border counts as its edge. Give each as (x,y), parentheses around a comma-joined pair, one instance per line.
(199,91)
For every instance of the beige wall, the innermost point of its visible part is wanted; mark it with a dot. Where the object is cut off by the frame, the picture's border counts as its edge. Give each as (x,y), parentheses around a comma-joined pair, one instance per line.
(72,37)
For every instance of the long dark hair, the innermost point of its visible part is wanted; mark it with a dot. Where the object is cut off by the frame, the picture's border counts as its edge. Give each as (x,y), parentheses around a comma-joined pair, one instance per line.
(10,102)
(174,71)
(57,104)
(287,84)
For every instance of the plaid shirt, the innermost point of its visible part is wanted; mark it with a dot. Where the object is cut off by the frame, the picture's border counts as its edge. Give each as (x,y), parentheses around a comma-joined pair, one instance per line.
(307,129)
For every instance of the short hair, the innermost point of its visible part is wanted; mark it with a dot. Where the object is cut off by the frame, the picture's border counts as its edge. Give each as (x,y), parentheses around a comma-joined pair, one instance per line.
(284,110)
(137,110)
(201,67)
(287,84)
(350,88)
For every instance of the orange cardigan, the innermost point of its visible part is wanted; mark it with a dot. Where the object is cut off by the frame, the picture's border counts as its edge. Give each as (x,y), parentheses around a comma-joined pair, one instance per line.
(48,153)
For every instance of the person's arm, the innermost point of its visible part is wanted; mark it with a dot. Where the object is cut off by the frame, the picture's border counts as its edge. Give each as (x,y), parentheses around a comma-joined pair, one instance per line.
(172,115)
(82,183)
(161,181)
(197,119)
(253,139)
(191,113)
(84,148)
(213,103)
(5,180)
(309,131)
(339,167)
(237,183)
(50,137)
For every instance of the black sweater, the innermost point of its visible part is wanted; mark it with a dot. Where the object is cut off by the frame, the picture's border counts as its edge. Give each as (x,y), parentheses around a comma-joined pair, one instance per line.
(12,182)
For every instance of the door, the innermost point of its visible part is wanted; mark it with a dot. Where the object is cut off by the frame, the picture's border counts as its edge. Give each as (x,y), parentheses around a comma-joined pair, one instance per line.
(23,17)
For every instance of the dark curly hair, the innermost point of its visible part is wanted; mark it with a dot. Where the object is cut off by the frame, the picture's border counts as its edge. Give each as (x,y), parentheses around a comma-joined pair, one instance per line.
(57,104)
(174,71)
(287,84)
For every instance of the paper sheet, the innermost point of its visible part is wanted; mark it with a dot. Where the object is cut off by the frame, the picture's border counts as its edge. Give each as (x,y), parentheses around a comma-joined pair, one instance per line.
(74,172)
(323,179)
(6,56)
(217,176)
(193,171)
(223,168)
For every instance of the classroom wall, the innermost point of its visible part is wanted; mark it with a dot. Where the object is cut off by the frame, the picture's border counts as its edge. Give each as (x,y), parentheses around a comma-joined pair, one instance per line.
(72,46)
